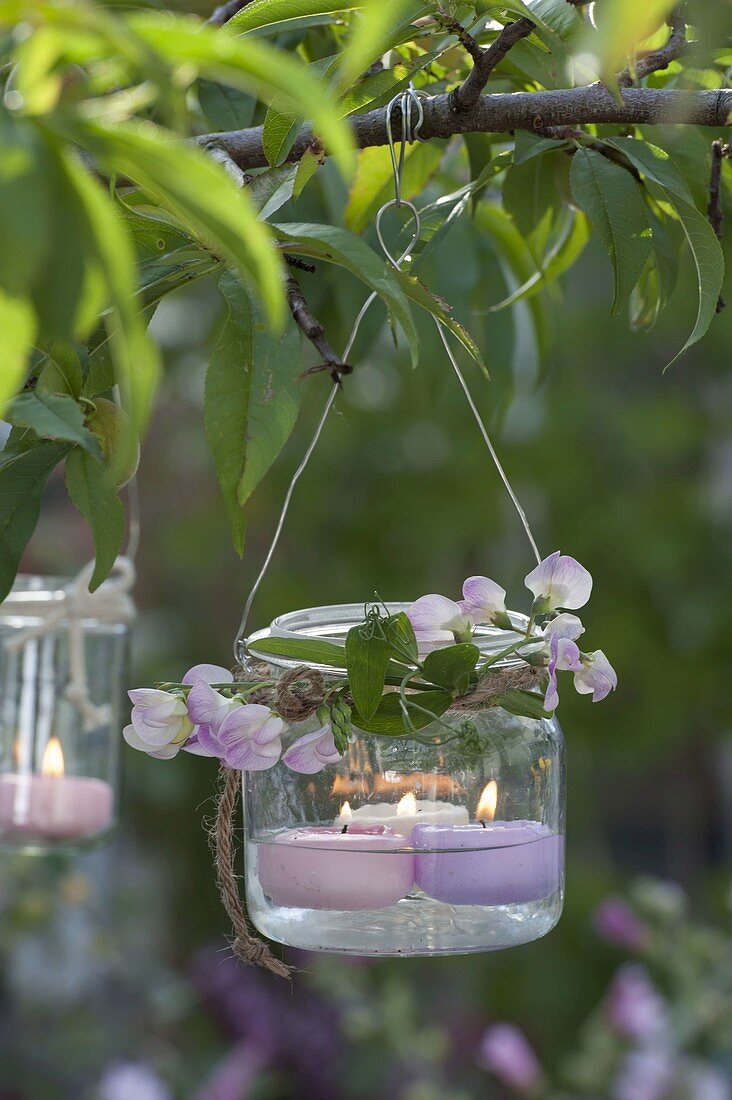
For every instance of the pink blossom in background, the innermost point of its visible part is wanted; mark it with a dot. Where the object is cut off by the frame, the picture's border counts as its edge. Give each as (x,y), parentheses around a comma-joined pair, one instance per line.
(633,1007)
(507,1053)
(617,923)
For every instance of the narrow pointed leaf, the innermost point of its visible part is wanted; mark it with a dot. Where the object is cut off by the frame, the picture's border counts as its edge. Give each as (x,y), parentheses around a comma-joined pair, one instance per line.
(92,491)
(22,482)
(228,389)
(613,202)
(367,659)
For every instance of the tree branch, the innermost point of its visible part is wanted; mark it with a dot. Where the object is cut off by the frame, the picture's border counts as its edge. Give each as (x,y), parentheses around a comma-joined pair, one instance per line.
(485,61)
(659,59)
(714,209)
(315,333)
(505,112)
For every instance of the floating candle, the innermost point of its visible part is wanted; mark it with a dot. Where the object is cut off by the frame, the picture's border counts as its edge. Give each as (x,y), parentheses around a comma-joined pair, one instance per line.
(52,805)
(489,862)
(330,867)
(401,817)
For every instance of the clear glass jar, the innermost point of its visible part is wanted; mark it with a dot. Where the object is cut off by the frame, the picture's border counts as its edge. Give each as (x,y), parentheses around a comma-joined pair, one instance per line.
(473,856)
(61,683)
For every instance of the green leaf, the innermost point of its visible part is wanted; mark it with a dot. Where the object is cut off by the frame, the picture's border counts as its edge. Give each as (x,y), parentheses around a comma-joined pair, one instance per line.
(21,487)
(367,659)
(226,405)
(226,108)
(451,667)
(709,264)
(282,122)
(373,32)
(559,259)
(254,66)
(613,202)
(653,162)
(321,653)
(66,293)
(92,491)
(301,649)
(530,197)
(62,372)
(335,245)
(18,326)
(278,135)
(133,351)
(619,28)
(422,296)
(25,204)
(200,194)
(277,13)
(388,719)
(525,704)
(274,402)
(706,252)
(401,637)
(53,416)
(307,166)
(373,183)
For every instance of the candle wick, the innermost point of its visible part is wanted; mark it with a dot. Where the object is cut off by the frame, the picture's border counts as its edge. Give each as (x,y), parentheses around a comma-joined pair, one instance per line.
(344,829)
(483,823)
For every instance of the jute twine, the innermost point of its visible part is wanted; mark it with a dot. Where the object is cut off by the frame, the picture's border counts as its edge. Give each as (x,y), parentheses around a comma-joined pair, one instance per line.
(246,945)
(296,697)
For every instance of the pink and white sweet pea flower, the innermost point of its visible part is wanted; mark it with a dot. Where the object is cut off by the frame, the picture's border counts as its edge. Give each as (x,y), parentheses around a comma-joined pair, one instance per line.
(249,737)
(559,581)
(595,676)
(437,620)
(207,707)
(484,602)
(312,752)
(564,653)
(158,720)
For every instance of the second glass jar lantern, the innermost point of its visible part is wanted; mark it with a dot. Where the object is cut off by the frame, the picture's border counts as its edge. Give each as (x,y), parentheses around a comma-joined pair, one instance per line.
(405,847)
(62,668)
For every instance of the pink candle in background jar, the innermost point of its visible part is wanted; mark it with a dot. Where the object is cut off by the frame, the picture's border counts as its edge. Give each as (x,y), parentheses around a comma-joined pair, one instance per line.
(52,805)
(328,867)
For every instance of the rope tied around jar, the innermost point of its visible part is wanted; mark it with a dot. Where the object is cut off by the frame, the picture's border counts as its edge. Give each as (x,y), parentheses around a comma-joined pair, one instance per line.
(297,695)
(110,603)
(246,945)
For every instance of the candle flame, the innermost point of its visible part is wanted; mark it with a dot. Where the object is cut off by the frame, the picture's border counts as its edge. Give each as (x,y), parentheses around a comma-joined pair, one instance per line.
(487,802)
(53,758)
(346,810)
(407,805)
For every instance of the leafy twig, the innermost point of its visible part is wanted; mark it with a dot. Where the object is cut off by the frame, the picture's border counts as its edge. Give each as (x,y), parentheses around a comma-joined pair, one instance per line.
(315,333)
(484,62)
(659,59)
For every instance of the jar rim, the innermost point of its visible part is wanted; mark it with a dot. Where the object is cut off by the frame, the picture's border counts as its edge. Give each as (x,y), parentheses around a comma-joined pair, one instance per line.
(331,623)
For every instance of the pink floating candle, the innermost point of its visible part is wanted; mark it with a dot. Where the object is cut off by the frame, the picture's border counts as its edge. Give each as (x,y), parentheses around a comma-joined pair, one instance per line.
(53,806)
(489,862)
(327,867)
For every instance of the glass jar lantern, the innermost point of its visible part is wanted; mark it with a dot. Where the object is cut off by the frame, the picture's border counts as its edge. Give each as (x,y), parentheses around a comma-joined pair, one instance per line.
(63,656)
(472,856)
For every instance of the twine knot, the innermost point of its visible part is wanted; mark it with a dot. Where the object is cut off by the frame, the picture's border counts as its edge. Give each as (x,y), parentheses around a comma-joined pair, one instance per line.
(299,693)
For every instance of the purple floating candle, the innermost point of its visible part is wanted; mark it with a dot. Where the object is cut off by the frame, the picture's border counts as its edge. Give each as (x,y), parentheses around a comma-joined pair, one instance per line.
(491,863)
